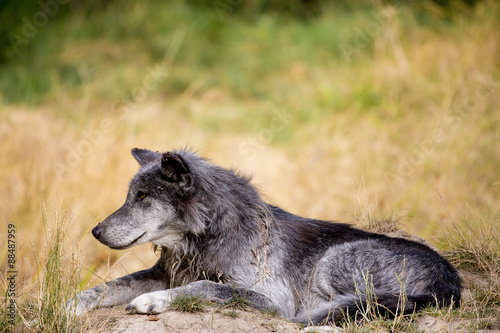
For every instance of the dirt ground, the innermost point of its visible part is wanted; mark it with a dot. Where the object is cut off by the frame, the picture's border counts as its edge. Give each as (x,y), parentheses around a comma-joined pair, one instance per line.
(213,319)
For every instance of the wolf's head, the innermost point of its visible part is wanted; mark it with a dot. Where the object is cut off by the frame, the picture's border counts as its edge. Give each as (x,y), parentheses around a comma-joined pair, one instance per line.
(153,211)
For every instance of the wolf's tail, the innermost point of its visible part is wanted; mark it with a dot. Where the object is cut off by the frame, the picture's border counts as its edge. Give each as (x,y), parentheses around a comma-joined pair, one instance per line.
(355,308)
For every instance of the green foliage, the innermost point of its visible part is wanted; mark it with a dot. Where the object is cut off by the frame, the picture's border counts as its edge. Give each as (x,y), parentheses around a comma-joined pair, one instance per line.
(475,247)
(42,307)
(270,313)
(59,278)
(231,313)
(220,50)
(5,324)
(237,302)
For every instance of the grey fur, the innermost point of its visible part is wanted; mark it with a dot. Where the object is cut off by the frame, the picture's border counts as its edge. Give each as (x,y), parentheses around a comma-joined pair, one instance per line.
(218,238)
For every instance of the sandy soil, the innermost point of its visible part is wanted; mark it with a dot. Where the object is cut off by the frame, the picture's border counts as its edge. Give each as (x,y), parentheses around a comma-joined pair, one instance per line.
(216,319)
(213,319)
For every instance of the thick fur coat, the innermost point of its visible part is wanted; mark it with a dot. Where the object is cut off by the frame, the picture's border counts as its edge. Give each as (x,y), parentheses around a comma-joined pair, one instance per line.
(219,238)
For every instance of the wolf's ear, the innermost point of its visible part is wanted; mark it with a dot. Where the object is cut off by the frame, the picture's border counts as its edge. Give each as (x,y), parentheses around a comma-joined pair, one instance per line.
(144,156)
(175,170)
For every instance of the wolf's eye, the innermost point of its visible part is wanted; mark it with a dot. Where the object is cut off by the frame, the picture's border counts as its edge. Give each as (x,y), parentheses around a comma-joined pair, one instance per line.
(141,195)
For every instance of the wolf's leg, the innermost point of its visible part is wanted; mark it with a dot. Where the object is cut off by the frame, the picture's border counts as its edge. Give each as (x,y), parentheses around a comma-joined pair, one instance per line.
(119,291)
(355,307)
(159,301)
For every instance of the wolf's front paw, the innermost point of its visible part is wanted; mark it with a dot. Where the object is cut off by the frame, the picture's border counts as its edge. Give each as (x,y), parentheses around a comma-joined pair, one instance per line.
(151,303)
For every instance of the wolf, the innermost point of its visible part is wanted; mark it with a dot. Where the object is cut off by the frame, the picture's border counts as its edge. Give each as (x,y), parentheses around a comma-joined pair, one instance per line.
(219,239)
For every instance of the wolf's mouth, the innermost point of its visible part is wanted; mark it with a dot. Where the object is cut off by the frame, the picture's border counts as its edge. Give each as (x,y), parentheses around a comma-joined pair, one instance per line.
(134,242)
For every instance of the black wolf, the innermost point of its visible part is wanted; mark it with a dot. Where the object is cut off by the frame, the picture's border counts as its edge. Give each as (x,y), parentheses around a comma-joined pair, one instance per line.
(218,238)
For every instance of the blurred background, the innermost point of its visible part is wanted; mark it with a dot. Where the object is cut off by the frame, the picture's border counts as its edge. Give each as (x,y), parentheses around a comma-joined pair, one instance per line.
(345,110)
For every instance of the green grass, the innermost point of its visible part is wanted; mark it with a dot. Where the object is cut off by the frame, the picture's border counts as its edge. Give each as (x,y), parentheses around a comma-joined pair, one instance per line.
(41,300)
(232,313)
(59,280)
(237,302)
(188,303)
(477,251)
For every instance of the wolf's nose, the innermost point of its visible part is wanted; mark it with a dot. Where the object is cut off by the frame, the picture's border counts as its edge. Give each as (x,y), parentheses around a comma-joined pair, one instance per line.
(97,231)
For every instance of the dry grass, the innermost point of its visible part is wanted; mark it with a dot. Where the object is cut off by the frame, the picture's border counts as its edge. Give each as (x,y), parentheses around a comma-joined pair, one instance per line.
(475,250)
(41,296)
